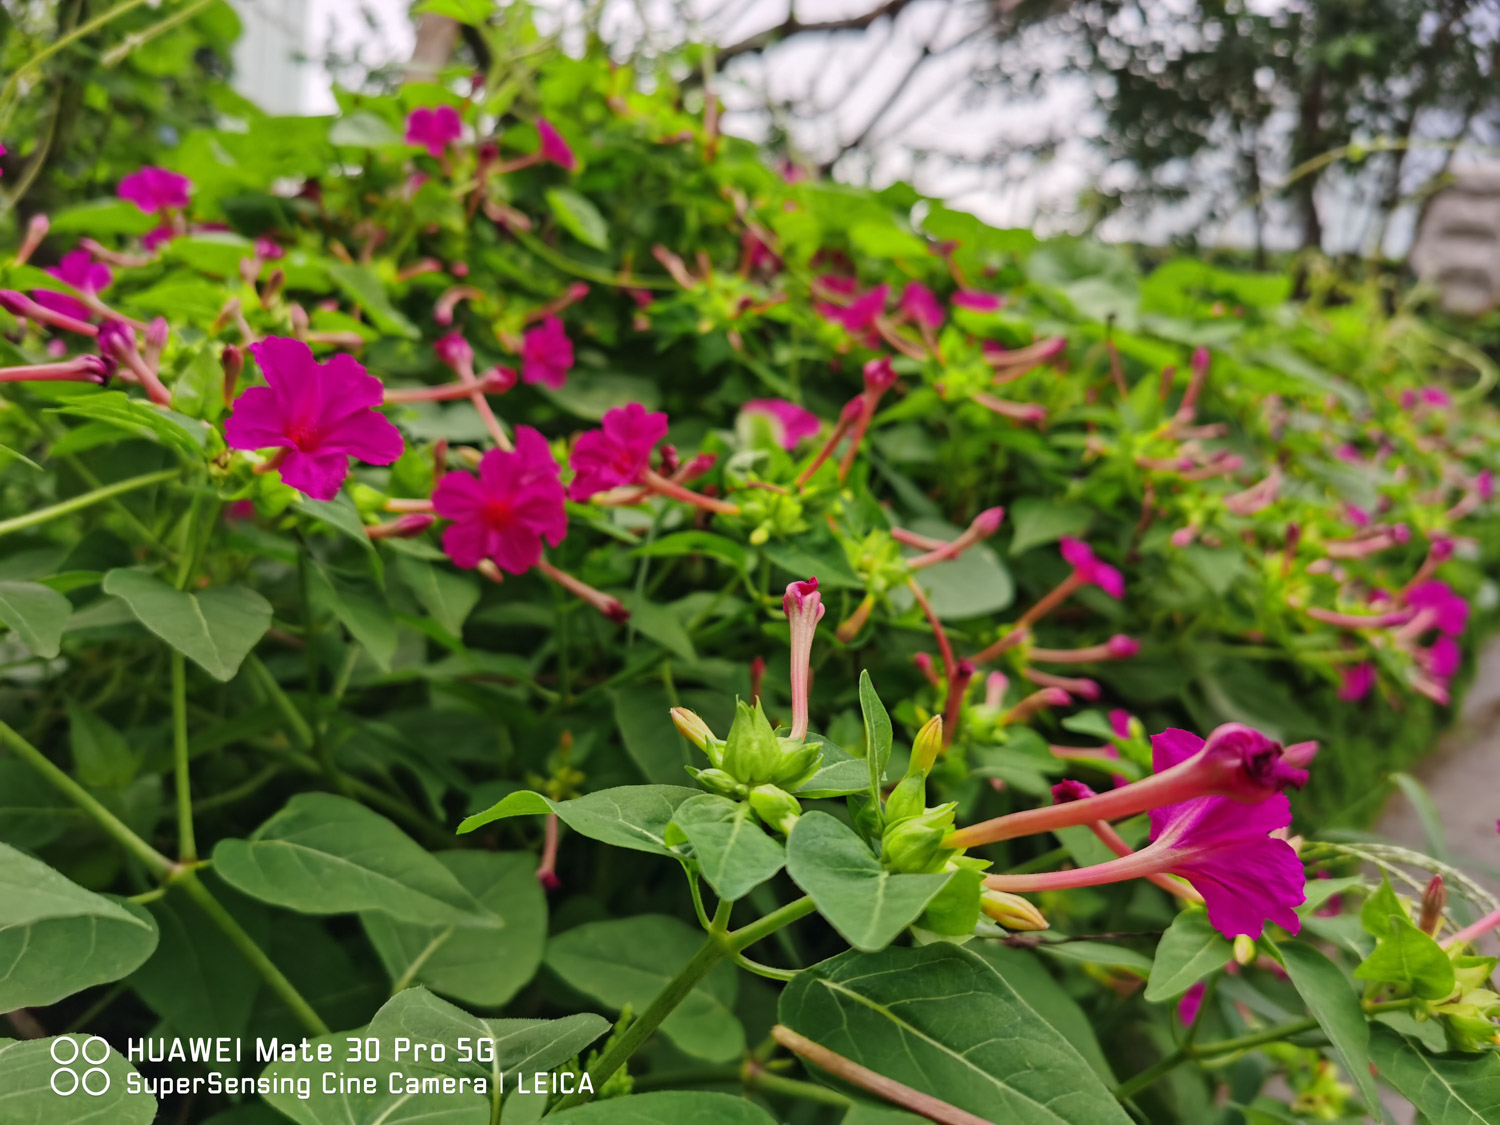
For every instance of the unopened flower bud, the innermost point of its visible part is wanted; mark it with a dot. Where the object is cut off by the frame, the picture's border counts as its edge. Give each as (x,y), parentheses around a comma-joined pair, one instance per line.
(1300,754)
(916,844)
(1244,949)
(907,800)
(752,752)
(776,807)
(36,230)
(692,727)
(498,379)
(880,376)
(233,362)
(988,521)
(454,350)
(995,685)
(1012,911)
(157,332)
(926,747)
(1434,901)
(1122,647)
(719,782)
(408,526)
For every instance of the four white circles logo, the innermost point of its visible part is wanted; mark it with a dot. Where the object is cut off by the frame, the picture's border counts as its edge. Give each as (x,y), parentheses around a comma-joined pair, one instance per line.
(71,1057)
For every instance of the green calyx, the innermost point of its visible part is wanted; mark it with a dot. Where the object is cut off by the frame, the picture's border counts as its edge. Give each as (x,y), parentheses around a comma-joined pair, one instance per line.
(754,754)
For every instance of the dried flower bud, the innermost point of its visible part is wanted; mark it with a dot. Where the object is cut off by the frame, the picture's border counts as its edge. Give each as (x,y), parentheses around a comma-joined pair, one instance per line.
(1434,901)
(233,362)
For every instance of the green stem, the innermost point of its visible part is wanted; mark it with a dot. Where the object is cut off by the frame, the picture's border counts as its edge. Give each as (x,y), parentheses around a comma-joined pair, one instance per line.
(282,702)
(1149,1076)
(83,29)
(187,842)
(138,39)
(746,936)
(158,864)
(85,500)
(767,1083)
(252,953)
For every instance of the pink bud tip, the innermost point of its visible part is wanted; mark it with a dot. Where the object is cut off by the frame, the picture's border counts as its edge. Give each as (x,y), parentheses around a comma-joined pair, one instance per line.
(965,669)
(1401,533)
(1200,359)
(1184,536)
(880,376)
(1069,790)
(988,521)
(578,291)
(1056,697)
(413,524)
(549,880)
(1300,754)
(1442,550)
(1089,689)
(1122,647)
(801,598)
(157,332)
(1053,347)
(923,661)
(499,379)
(453,349)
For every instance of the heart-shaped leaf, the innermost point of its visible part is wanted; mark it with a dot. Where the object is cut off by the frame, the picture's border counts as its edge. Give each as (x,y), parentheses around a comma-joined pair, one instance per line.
(214,628)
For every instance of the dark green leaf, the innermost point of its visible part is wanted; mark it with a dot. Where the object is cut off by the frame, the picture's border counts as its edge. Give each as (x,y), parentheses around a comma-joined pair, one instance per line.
(1036,521)
(1448,1089)
(878,735)
(579,217)
(667,1107)
(28,1096)
(215,628)
(631,816)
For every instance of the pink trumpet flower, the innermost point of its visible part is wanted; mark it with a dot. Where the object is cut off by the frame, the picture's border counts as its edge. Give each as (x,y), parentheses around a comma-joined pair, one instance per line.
(547,354)
(804,608)
(78,270)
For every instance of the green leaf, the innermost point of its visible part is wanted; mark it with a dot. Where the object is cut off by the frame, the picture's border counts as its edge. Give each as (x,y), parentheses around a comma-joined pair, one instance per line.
(1407,956)
(324,854)
(1447,1089)
(363,130)
(1035,521)
(815,555)
(1333,1002)
(364,288)
(447,595)
(474,966)
(520,1046)
(630,816)
(36,613)
(57,938)
(1098,953)
(661,624)
(643,718)
(697,543)
(1190,950)
(217,253)
(593,394)
(579,217)
(667,1107)
(474,12)
(839,774)
(878,736)
(976,584)
(628,961)
(102,216)
(28,1069)
(948,1023)
(215,628)
(360,606)
(733,851)
(141,418)
(1375,913)
(102,757)
(868,905)
(1026,973)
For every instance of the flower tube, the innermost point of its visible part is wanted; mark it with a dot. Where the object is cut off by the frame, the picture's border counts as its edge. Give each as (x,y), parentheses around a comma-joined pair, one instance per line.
(804,609)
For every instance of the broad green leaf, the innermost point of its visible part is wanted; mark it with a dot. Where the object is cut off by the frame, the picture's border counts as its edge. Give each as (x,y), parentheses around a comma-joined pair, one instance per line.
(102,216)
(643,718)
(213,252)
(474,966)
(629,960)
(139,417)
(519,1046)
(31,1079)
(360,606)
(878,735)
(36,613)
(1447,1089)
(215,628)
(811,555)
(1376,911)
(1028,975)
(1190,950)
(946,1022)
(661,624)
(697,543)
(579,217)
(362,286)
(733,851)
(667,1107)
(1333,1002)
(102,757)
(1406,956)
(593,394)
(57,938)
(444,593)
(1035,521)
(868,905)
(32,813)
(1097,953)
(630,816)
(839,774)
(324,854)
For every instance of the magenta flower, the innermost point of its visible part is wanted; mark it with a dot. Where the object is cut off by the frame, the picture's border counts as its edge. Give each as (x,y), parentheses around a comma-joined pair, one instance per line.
(268,249)
(1484,484)
(789,422)
(154,189)
(1449,612)
(1089,570)
(804,608)
(1192,1000)
(617,453)
(857,317)
(453,350)
(157,236)
(433,128)
(79,270)
(1356,680)
(977,301)
(1119,722)
(1441,658)
(505,513)
(921,304)
(553,148)
(1427,396)
(318,414)
(547,354)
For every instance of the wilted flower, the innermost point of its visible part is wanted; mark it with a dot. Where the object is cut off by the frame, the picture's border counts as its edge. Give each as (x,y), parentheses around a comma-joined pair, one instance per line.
(508,510)
(318,414)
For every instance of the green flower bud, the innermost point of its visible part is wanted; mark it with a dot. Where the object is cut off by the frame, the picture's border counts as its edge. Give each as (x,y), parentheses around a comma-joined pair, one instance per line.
(1244,949)
(907,800)
(718,781)
(865,815)
(799,761)
(1012,911)
(692,727)
(752,753)
(915,845)
(776,807)
(926,747)
(1469,1022)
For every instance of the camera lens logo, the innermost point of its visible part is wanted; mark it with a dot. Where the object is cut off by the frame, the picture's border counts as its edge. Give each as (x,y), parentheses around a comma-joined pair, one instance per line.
(78,1066)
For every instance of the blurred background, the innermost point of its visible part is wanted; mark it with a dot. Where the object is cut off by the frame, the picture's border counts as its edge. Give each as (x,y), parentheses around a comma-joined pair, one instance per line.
(1143,120)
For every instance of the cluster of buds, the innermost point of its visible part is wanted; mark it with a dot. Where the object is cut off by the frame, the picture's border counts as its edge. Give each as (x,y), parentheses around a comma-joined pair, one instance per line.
(753,763)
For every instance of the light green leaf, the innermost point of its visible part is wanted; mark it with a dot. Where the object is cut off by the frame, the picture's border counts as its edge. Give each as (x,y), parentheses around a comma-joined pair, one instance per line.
(102,216)
(661,624)
(697,543)
(868,905)
(1407,956)
(215,628)
(733,851)
(1448,1089)
(1036,521)
(29,1068)
(630,816)
(667,1107)
(628,961)
(141,418)
(1333,1002)
(324,854)
(365,289)
(1189,950)
(474,12)
(942,1020)
(878,736)
(579,217)
(474,966)
(363,130)
(444,593)
(839,774)
(57,938)
(36,613)
(1376,911)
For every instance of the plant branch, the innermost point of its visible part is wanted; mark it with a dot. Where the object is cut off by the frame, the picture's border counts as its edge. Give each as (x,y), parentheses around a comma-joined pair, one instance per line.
(85,500)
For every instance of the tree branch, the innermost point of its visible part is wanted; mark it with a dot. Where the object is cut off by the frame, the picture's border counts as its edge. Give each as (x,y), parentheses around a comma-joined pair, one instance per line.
(793,26)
